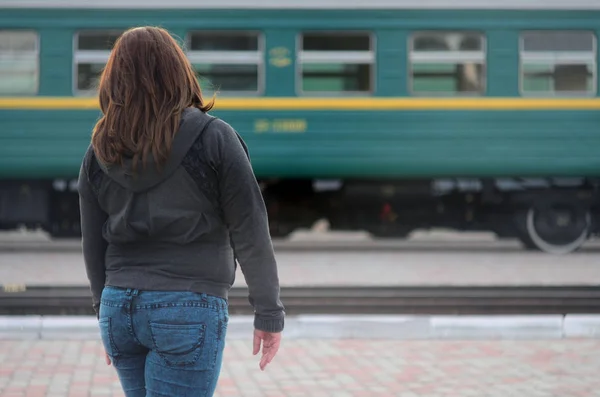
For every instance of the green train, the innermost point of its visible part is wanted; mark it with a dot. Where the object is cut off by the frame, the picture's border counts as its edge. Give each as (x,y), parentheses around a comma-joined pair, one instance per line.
(386,116)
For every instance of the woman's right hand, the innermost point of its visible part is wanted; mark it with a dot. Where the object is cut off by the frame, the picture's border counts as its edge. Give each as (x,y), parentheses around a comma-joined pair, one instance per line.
(270,346)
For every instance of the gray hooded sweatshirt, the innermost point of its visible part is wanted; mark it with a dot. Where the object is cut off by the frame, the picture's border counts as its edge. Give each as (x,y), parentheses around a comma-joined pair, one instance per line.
(181,228)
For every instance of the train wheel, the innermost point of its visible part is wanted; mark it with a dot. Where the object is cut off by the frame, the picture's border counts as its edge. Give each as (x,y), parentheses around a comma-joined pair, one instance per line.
(557,228)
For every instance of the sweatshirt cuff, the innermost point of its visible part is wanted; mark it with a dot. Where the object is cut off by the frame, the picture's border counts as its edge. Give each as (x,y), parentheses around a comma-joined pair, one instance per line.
(273,325)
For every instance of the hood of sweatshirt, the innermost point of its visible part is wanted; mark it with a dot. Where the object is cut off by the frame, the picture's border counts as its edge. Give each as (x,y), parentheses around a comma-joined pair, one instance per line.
(144,178)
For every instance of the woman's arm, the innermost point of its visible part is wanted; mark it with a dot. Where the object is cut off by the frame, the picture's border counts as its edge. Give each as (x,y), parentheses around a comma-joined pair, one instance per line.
(246,217)
(93,243)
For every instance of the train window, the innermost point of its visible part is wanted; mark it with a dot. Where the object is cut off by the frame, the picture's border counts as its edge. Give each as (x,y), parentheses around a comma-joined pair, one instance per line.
(447,63)
(228,61)
(558,63)
(92,49)
(19,62)
(336,63)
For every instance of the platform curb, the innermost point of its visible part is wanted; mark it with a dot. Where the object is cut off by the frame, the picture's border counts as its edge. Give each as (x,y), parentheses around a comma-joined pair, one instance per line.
(342,327)
(582,326)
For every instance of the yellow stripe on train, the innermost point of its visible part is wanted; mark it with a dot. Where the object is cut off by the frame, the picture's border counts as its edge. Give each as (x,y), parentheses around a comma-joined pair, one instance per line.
(287,103)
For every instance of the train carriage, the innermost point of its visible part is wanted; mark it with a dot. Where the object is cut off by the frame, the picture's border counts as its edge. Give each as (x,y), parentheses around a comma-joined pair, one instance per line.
(385,116)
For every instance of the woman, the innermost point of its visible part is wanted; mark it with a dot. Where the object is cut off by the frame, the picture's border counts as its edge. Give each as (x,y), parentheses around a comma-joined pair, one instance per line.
(168,202)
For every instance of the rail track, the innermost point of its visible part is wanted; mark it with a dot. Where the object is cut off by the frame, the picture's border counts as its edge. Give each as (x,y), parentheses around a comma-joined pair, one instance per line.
(76,300)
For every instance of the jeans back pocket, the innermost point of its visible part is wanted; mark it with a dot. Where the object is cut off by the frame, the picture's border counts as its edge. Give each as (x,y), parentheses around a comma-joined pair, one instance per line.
(178,344)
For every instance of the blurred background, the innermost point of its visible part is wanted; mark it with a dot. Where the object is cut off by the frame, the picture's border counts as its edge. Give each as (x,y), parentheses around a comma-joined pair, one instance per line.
(398,144)
(430,170)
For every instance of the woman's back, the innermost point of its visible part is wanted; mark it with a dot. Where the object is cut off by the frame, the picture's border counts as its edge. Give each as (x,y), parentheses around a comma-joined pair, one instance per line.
(168,196)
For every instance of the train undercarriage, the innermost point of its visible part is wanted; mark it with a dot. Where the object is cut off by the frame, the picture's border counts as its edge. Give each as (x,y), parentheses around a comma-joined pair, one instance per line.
(554,215)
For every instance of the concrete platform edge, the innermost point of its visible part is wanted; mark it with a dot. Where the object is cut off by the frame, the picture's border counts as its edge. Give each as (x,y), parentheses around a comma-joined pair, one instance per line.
(343,327)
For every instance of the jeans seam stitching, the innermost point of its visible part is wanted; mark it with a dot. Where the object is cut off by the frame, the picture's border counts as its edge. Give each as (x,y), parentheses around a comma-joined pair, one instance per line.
(113,346)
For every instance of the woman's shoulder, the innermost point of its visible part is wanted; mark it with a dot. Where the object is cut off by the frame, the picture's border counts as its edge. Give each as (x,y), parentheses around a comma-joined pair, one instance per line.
(223,135)
(218,128)
(91,170)
(89,158)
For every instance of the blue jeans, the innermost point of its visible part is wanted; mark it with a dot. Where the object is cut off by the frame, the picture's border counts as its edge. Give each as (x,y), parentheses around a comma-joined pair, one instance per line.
(167,344)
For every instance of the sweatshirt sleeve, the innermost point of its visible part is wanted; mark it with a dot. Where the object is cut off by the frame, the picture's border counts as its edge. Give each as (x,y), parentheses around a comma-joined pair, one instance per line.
(246,217)
(93,243)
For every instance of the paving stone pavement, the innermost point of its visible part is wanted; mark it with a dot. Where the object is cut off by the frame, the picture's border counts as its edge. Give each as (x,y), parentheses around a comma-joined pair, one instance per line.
(332,368)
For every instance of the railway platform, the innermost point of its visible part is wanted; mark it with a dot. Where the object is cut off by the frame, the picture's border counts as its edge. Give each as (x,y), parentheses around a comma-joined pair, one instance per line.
(341,259)
(332,368)
(343,356)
